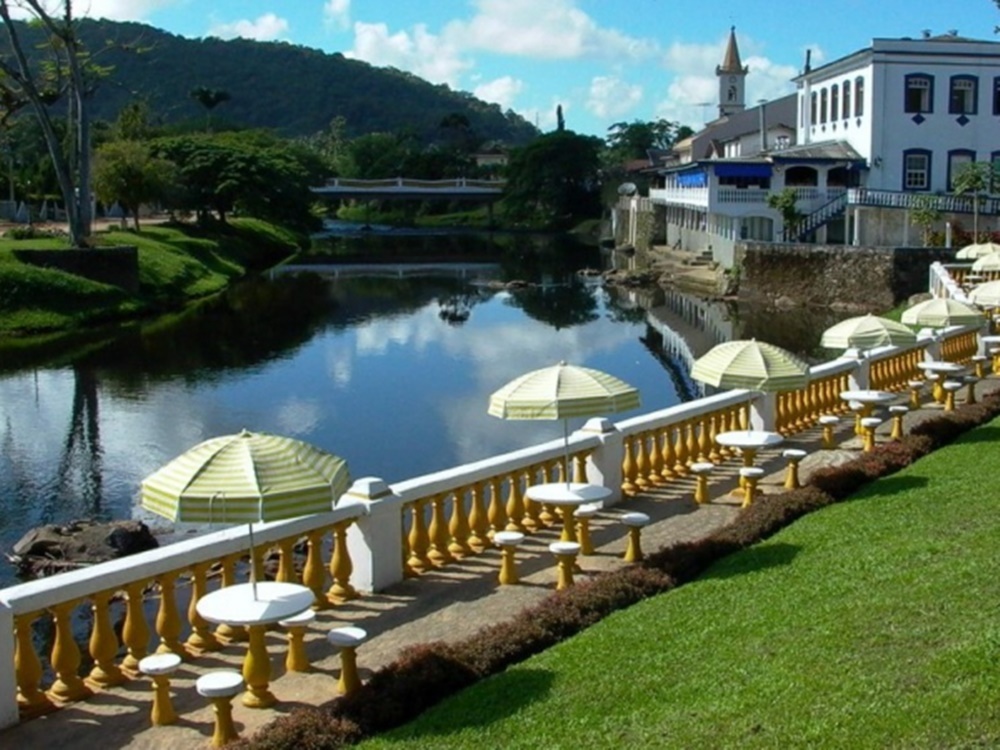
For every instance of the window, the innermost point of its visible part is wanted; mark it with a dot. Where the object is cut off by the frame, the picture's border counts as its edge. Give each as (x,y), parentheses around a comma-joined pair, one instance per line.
(962,95)
(996,96)
(847,99)
(834,102)
(822,105)
(859,96)
(916,169)
(919,93)
(956,159)
(995,177)
(812,108)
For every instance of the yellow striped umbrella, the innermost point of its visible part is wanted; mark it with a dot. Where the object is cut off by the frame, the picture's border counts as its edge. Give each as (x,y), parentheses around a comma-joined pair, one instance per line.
(751,364)
(990,262)
(977,250)
(986,295)
(246,478)
(939,312)
(867,332)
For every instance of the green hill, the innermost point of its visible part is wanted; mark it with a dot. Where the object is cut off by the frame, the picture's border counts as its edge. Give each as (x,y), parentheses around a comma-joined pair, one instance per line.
(292,89)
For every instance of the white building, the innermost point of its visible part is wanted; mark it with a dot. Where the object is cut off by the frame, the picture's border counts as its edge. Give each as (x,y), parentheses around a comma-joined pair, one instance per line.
(861,138)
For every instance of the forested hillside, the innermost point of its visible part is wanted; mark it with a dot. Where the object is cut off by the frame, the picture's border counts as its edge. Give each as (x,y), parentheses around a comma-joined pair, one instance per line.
(294,90)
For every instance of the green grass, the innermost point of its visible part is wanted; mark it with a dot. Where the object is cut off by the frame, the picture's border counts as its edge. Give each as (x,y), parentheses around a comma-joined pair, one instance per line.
(870,624)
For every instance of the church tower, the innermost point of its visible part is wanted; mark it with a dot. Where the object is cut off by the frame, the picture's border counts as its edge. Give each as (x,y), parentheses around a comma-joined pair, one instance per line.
(732,79)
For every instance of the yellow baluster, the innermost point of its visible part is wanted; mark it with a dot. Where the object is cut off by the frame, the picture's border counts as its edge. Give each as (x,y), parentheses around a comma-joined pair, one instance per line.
(655,459)
(515,503)
(257,671)
(641,461)
(692,446)
(103,645)
(230,633)
(31,701)
(705,438)
(201,639)
(286,561)
(629,487)
(715,425)
(135,632)
(420,541)
(314,572)
(479,526)
(782,409)
(531,509)
(66,657)
(681,451)
(168,619)
(669,459)
(438,553)
(497,514)
(341,568)
(459,526)
(580,466)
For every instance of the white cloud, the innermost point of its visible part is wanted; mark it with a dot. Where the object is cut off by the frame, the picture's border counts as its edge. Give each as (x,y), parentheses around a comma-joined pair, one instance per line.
(503,91)
(115,10)
(610,96)
(555,29)
(427,55)
(265,28)
(337,13)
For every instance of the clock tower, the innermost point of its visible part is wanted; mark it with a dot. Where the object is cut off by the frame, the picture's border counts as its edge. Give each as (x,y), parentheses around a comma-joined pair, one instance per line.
(732,79)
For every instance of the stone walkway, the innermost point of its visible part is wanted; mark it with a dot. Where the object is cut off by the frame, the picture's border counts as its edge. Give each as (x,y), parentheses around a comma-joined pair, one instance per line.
(446,604)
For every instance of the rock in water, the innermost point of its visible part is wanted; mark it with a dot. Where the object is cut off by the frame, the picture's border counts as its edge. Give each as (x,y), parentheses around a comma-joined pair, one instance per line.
(53,547)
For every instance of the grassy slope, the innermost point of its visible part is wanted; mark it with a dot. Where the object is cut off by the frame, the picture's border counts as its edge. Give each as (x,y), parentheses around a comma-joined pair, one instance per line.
(176,264)
(870,624)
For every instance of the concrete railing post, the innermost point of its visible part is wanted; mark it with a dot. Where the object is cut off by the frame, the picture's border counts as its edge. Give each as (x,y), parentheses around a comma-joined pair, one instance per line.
(604,465)
(8,679)
(764,412)
(374,540)
(860,377)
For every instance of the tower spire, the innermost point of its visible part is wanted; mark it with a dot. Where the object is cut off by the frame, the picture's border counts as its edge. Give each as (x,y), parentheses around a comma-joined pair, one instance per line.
(732,74)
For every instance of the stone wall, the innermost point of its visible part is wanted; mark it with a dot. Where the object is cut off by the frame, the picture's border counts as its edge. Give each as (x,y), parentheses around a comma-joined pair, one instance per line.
(117,266)
(862,278)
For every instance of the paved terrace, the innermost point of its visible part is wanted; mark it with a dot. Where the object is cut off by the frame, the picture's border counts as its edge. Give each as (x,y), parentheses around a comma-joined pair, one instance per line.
(447,604)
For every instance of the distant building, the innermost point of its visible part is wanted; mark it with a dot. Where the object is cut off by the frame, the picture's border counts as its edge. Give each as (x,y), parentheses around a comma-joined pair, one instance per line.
(861,138)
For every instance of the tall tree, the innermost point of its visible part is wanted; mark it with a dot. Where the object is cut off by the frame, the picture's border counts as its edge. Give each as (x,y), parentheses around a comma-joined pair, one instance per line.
(975,178)
(209,99)
(127,173)
(65,72)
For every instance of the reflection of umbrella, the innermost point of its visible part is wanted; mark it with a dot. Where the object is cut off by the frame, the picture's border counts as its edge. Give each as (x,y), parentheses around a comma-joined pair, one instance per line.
(941,311)
(986,295)
(246,478)
(560,392)
(977,250)
(989,262)
(867,332)
(752,364)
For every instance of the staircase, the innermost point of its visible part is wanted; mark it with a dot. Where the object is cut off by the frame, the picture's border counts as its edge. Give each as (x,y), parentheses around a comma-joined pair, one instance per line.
(813,221)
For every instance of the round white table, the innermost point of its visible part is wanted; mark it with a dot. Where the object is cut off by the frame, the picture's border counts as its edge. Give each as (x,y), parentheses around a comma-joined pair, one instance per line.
(990,342)
(567,497)
(237,605)
(943,369)
(749,442)
(868,399)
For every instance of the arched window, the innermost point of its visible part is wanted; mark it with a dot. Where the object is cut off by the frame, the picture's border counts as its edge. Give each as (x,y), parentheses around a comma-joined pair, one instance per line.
(822,105)
(962,95)
(917,169)
(812,108)
(859,96)
(919,93)
(834,102)
(847,99)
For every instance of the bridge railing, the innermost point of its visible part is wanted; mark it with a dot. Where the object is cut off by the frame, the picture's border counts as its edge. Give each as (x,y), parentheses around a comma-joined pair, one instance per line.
(378,534)
(407,183)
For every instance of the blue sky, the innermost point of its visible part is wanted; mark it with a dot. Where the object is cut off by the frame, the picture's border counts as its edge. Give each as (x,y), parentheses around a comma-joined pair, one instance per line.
(604,61)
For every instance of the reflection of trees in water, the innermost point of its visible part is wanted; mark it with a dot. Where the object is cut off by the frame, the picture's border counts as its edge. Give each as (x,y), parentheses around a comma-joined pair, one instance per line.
(79,476)
(560,306)
(547,258)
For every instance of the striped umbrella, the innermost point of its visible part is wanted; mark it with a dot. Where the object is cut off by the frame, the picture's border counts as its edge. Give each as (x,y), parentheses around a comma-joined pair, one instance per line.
(560,392)
(941,311)
(246,478)
(990,262)
(977,250)
(867,332)
(986,295)
(755,365)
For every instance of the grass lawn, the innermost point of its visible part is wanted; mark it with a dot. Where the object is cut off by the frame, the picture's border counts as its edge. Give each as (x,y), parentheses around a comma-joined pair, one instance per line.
(870,624)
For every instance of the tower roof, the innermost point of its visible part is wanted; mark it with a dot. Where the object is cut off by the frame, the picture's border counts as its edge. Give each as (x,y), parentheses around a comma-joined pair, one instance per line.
(731,63)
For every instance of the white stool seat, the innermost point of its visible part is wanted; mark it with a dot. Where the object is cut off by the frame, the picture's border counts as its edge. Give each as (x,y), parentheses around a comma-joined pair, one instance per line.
(751,472)
(702,467)
(635,519)
(346,637)
(952,385)
(508,538)
(898,409)
(979,357)
(587,511)
(564,548)
(300,620)
(856,405)
(157,664)
(222,683)
(793,453)
(871,422)
(829,419)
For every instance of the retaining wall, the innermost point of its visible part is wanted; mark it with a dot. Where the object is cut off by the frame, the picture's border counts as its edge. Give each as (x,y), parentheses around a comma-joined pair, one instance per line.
(117,266)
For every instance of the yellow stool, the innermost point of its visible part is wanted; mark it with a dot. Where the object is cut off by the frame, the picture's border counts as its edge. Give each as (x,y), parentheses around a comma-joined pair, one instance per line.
(970,382)
(159,667)
(508,541)
(296,659)
(635,523)
(565,553)
(868,425)
(915,387)
(583,514)
(828,422)
(750,475)
(949,387)
(935,381)
(794,456)
(979,364)
(347,639)
(220,687)
(897,412)
(701,471)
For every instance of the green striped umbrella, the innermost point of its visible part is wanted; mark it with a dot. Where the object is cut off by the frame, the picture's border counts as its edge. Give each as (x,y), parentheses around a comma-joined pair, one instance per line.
(246,478)
(563,391)
(986,295)
(939,312)
(751,364)
(867,332)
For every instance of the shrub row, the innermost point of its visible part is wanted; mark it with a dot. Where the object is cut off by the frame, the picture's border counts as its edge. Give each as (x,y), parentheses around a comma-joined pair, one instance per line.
(426,674)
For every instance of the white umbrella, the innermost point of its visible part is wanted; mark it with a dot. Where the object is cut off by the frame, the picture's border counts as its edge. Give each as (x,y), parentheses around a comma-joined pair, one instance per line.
(751,364)
(986,295)
(867,332)
(989,262)
(940,312)
(563,391)
(245,478)
(977,250)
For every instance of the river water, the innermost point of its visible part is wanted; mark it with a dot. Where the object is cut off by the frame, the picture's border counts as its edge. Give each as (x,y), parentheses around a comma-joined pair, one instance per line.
(392,371)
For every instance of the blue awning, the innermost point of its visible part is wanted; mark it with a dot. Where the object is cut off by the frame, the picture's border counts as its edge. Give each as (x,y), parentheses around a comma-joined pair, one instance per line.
(692,179)
(743,170)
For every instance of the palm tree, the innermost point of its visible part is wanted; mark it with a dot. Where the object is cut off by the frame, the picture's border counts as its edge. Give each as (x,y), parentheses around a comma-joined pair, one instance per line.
(209,99)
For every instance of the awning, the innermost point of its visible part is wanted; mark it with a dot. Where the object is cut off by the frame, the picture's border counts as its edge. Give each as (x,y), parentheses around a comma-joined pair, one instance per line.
(692,179)
(743,170)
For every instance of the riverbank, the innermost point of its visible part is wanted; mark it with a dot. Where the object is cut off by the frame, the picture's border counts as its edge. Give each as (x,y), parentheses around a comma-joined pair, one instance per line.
(177,263)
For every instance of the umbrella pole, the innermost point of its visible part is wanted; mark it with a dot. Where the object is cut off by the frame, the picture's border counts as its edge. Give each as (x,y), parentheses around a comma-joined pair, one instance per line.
(566,451)
(253,563)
